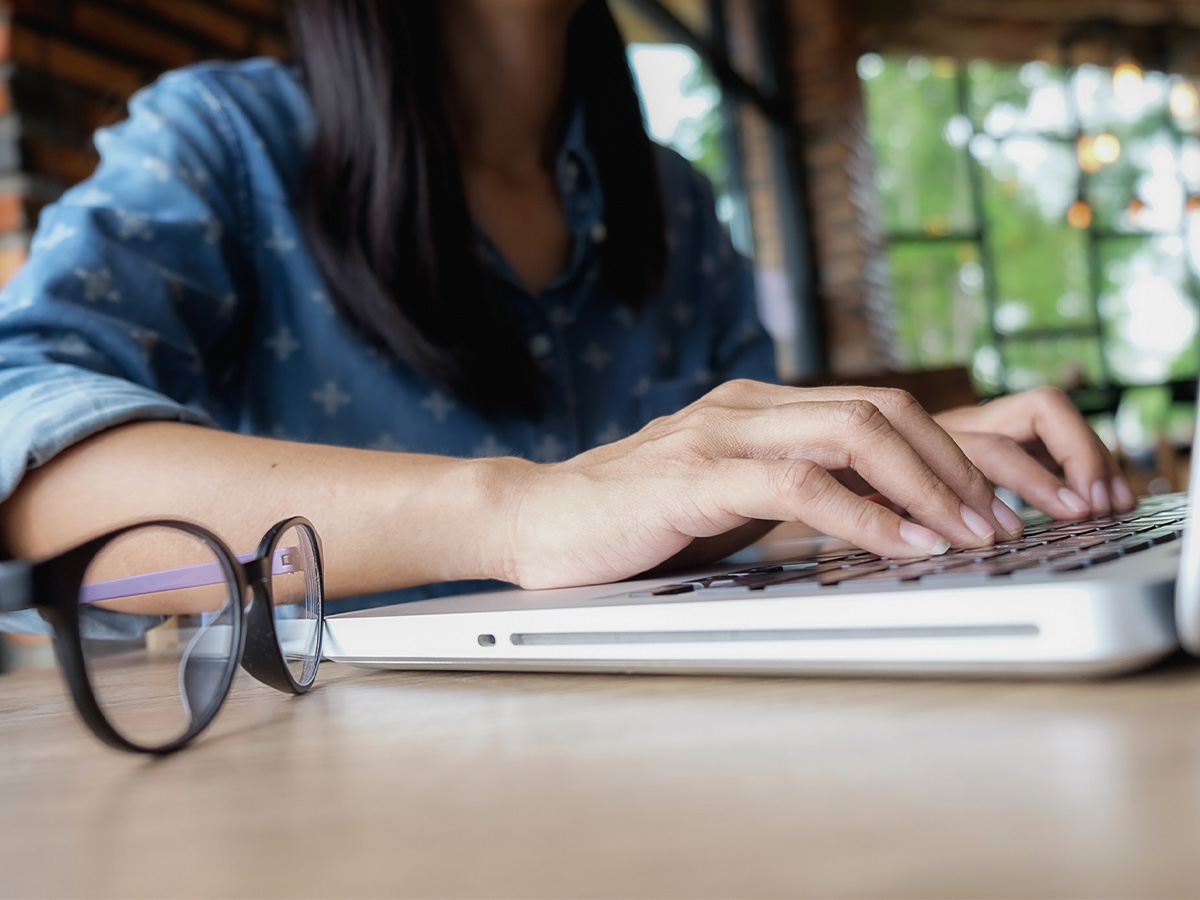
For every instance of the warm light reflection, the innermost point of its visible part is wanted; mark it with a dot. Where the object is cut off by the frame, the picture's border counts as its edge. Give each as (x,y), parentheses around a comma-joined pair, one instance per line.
(1085,150)
(1107,148)
(1183,101)
(1095,152)
(944,66)
(936,225)
(1126,75)
(1128,87)
(1192,205)
(1079,214)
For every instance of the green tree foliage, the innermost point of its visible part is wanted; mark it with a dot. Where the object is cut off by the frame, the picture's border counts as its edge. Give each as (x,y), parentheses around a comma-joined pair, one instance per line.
(976,171)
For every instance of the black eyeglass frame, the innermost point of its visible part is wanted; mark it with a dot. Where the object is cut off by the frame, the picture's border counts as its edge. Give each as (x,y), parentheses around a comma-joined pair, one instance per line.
(52,587)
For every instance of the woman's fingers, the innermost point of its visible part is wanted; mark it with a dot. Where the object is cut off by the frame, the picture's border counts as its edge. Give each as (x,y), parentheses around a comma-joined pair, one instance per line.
(856,435)
(1110,491)
(914,425)
(803,490)
(759,452)
(1047,415)
(947,459)
(1009,465)
(894,445)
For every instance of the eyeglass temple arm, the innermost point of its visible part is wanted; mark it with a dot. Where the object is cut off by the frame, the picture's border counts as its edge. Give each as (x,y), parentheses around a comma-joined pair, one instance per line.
(15,586)
(177,579)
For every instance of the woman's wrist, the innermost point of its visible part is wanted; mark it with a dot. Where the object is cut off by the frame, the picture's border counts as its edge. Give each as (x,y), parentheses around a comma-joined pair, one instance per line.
(484,496)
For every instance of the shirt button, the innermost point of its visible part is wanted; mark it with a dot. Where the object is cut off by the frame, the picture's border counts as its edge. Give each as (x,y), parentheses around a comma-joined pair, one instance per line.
(599,232)
(540,346)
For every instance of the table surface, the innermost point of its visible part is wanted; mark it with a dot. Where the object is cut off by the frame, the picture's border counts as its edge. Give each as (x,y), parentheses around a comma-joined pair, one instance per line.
(501,785)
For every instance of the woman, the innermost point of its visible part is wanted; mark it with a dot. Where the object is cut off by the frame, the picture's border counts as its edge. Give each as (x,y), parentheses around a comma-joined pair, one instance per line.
(447,234)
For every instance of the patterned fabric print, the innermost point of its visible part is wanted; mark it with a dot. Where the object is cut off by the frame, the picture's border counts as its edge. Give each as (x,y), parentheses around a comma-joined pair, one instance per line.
(176,284)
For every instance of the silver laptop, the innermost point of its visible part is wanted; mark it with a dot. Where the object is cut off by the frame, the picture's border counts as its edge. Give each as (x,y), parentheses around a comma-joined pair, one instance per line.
(1104,596)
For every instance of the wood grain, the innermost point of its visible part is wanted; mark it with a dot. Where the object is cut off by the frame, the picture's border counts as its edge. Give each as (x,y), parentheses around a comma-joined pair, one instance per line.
(450,784)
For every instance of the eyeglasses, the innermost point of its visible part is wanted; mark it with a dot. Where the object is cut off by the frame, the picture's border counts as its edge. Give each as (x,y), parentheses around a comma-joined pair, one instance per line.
(150,622)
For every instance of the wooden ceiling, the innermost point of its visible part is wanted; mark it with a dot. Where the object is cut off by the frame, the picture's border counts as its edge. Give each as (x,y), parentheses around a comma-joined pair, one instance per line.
(1157,32)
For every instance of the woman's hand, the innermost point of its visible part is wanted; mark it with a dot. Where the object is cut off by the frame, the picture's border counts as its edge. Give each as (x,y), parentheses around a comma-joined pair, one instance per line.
(746,452)
(1022,442)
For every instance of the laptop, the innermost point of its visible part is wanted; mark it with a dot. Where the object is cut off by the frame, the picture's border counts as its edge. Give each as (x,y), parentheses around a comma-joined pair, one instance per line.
(1098,597)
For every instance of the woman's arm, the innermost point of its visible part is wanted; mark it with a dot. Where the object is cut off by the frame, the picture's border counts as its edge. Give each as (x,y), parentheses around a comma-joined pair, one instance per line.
(387,520)
(746,452)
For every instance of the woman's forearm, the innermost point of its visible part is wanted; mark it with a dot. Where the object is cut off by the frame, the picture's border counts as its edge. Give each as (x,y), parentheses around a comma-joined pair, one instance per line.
(681,488)
(386,520)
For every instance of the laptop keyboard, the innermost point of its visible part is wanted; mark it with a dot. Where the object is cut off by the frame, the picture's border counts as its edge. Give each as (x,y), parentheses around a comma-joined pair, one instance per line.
(1047,546)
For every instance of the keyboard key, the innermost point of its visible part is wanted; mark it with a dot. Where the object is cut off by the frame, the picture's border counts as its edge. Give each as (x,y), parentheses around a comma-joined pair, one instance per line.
(664,591)
(1048,547)
(1132,544)
(992,567)
(1163,535)
(1083,541)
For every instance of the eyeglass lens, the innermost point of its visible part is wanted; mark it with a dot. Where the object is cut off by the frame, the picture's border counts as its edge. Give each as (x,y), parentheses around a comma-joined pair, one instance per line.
(296,592)
(157,617)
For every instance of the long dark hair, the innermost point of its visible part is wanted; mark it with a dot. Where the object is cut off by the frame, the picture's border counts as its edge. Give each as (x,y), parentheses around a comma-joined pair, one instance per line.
(383,206)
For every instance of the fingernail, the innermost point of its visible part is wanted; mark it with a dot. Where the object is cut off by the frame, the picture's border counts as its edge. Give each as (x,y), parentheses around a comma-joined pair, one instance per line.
(1100,502)
(923,539)
(1008,519)
(1123,494)
(1072,501)
(978,524)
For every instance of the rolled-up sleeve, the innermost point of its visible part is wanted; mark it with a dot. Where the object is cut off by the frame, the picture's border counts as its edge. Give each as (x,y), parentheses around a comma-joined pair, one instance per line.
(135,282)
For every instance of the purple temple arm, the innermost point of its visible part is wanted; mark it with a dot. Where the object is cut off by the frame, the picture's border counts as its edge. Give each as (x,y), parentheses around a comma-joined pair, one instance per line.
(176,579)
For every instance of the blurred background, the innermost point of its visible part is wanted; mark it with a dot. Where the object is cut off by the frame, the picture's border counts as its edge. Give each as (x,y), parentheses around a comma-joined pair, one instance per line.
(965,197)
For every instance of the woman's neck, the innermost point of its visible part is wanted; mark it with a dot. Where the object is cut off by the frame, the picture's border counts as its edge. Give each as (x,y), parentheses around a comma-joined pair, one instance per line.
(503,67)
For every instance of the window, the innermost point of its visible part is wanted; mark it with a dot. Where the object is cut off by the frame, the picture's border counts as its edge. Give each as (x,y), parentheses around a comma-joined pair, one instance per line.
(716,109)
(1045,229)
(682,103)
(682,98)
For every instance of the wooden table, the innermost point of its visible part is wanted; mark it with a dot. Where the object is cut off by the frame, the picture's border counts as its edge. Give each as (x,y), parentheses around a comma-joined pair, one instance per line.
(446,784)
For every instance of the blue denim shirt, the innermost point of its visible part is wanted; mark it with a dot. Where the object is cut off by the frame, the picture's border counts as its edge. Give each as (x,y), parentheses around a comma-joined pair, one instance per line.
(175,284)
